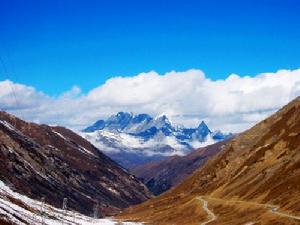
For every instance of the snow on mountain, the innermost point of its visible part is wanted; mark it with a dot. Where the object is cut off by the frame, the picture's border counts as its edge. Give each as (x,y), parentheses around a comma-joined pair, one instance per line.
(19,209)
(125,133)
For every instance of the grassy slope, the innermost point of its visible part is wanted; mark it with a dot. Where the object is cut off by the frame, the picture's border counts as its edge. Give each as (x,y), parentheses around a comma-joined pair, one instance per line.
(261,165)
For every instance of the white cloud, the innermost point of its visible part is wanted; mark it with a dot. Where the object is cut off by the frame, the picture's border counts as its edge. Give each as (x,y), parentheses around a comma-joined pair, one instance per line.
(233,104)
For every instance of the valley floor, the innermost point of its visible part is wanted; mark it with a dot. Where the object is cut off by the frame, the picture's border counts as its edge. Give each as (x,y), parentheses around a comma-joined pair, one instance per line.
(207,210)
(273,209)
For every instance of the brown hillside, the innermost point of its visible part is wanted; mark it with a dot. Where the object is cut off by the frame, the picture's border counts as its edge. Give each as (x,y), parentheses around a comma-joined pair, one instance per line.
(258,168)
(55,163)
(160,176)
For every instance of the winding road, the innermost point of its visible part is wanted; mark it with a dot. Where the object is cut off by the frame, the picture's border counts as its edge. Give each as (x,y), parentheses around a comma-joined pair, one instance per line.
(211,215)
(272,208)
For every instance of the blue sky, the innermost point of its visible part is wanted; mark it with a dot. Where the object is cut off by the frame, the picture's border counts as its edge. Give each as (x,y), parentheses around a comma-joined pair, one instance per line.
(53,45)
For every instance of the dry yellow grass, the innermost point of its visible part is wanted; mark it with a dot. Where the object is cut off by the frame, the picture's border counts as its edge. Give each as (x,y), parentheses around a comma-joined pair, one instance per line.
(261,165)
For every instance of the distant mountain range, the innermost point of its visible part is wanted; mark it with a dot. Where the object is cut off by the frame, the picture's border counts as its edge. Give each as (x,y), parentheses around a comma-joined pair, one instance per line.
(133,140)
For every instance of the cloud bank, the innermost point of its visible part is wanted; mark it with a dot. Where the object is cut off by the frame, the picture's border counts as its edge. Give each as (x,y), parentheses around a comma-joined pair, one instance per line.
(233,104)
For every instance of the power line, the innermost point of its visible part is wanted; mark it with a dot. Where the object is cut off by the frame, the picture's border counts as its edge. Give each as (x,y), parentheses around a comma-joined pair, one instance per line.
(10,84)
(13,91)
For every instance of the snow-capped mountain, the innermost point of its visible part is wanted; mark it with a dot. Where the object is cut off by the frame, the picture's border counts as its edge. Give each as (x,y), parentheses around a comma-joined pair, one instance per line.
(135,139)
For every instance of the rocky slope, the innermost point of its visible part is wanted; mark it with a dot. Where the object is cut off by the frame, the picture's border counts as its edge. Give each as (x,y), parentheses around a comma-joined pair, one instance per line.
(55,163)
(160,176)
(254,179)
(17,209)
(133,140)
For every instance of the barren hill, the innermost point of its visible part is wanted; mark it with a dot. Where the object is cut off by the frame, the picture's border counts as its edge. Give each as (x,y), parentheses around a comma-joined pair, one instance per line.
(160,176)
(55,163)
(254,179)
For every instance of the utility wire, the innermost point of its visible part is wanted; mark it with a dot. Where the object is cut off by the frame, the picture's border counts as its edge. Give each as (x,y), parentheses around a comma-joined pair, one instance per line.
(13,91)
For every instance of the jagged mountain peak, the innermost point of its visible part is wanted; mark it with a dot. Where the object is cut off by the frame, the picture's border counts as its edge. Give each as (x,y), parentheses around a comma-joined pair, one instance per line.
(124,114)
(98,125)
(148,136)
(203,126)
(203,129)
(141,117)
(125,121)
(119,121)
(163,118)
(202,123)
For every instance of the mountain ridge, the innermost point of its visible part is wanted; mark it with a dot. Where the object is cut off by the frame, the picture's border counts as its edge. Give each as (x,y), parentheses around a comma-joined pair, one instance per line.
(257,168)
(125,135)
(162,175)
(44,161)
